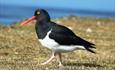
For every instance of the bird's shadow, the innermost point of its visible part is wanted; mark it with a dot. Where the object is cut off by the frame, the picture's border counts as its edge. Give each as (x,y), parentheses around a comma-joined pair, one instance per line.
(82,64)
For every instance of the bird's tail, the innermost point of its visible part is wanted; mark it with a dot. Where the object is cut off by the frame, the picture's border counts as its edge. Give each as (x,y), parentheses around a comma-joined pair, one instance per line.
(88,49)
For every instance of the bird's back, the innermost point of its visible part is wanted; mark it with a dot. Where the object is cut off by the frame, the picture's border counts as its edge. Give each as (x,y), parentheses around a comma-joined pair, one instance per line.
(66,36)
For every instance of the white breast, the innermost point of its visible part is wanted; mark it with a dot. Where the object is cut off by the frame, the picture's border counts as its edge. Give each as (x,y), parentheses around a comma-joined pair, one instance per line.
(48,42)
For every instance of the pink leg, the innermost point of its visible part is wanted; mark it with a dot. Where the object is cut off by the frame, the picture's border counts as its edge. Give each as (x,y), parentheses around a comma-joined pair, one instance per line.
(60,59)
(49,60)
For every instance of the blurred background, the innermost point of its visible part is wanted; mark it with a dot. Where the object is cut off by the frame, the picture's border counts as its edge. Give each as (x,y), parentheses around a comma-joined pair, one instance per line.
(15,10)
(92,20)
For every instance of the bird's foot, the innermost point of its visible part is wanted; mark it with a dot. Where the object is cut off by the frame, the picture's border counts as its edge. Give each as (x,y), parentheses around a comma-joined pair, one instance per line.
(44,63)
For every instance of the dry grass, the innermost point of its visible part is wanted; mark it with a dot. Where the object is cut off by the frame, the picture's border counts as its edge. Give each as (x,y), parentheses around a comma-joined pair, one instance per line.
(20,49)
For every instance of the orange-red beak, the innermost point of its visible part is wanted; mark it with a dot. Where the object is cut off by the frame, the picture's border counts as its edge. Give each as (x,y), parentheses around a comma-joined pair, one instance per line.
(29,20)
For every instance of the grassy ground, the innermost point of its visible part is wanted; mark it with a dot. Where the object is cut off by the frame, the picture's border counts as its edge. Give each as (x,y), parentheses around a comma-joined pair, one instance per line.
(21,50)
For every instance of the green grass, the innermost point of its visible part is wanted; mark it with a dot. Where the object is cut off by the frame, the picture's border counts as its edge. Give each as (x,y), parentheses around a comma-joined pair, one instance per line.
(21,50)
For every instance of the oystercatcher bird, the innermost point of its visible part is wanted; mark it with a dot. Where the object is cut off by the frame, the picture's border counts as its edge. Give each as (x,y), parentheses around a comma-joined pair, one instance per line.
(55,37)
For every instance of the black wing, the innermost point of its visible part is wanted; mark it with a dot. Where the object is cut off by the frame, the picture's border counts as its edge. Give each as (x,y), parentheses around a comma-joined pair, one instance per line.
(65,36)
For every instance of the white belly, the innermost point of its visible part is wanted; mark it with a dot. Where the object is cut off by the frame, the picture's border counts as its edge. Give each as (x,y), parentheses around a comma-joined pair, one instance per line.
(53,45)
(64,48)
(47,42)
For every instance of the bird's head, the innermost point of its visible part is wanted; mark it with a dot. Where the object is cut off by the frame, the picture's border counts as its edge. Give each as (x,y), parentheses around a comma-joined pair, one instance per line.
(39,15)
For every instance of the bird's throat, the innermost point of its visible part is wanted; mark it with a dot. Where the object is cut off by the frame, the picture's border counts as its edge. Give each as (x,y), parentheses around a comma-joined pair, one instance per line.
(42,27)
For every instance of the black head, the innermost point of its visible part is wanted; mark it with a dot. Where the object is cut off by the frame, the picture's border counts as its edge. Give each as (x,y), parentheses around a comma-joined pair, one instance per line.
(42,15)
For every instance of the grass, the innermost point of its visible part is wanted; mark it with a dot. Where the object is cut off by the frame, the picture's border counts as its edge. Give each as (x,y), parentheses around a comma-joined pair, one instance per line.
(21,50)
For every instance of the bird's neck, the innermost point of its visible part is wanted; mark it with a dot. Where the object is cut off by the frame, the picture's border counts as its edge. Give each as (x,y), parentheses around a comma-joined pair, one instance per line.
(42,27)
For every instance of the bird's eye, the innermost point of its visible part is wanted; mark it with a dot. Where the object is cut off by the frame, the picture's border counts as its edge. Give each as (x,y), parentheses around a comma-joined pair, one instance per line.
(38,13)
